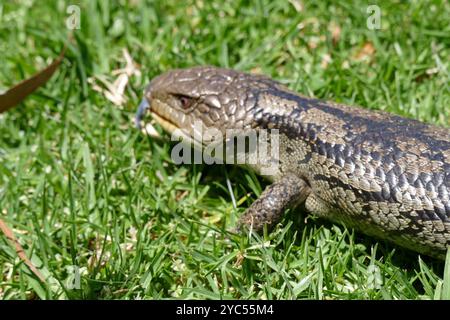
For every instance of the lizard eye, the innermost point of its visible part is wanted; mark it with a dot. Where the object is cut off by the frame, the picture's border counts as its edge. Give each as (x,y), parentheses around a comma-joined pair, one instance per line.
(186,102)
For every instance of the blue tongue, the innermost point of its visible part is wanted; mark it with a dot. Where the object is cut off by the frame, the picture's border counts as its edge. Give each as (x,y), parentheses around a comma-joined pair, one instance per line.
(143,106)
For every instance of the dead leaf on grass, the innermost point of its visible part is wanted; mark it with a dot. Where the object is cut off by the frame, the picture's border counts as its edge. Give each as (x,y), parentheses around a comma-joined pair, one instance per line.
(115,91)
(365,53)
(9,234)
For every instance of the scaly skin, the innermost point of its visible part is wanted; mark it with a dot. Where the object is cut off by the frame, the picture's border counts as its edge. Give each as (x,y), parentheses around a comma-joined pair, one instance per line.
(382,174)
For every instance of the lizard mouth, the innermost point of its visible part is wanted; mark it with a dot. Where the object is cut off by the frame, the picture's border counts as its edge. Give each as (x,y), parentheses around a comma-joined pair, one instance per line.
(174,123)
(165,123)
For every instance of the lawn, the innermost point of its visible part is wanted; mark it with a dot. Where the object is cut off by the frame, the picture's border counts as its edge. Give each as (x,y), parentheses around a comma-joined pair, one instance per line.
(88,194)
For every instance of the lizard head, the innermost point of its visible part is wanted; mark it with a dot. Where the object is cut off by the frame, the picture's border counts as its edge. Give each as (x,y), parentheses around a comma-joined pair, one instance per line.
(215,97)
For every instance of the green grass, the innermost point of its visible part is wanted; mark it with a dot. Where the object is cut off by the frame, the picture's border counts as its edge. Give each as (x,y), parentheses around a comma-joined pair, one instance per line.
(80,186)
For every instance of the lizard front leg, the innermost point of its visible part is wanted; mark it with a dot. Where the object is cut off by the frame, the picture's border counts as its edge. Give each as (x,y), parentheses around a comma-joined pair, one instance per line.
(268,209)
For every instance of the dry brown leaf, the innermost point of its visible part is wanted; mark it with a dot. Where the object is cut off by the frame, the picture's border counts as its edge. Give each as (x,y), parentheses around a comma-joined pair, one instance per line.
(20,91)
(181,195)
(239,259)
(313,42)
(335,31)
(298,5)
(366,53)
(326,59)
(256,70)
(19,250)
(150,130)
(115,91)
(99,256)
